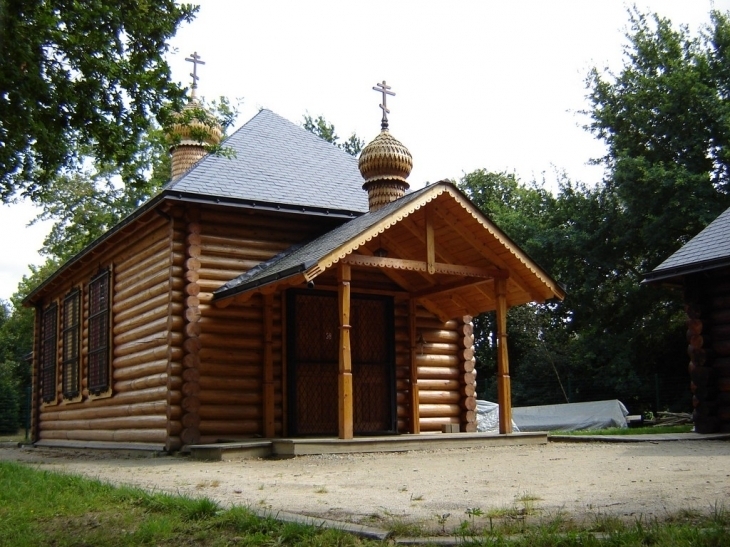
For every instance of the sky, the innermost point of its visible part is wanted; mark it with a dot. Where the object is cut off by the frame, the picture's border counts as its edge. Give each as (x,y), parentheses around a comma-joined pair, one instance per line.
(479,84)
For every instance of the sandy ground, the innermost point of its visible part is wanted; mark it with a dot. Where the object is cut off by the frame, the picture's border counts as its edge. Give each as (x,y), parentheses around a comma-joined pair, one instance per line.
(576,480)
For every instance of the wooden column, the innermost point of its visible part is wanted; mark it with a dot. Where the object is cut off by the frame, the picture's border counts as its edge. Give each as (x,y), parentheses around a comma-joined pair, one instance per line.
(415,418)
(504,393)
(269,424)
(345,406)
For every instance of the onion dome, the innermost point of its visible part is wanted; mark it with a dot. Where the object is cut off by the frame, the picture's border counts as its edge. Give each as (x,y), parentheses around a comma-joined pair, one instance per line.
(193,130)
(385,165)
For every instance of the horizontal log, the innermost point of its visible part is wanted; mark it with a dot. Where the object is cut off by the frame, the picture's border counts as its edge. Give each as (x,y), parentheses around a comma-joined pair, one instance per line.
(468,416)
(145,356)
(219,427)
(138,371)
(438,397)
(158,301)
(164,310)
(438,410)
(191,276)
(148,343)
(231,384)
(133,397)
(469,365)
(148,382)
(216,341)
(207,285)
(469,403)
(174,412)
(139,409)
(193,251)
(450,373)
(226,263)
(191,389)
(191,375)
(252,311)
(159,326)
(153,236)
(193,238)
(155,265)
(122,422)
(191,360)
(192,302)
(120,435)
(210,397)
(192,330)
(228,371)
(192,264)
(144,296)
(247,412)
(144,283)
(192,289)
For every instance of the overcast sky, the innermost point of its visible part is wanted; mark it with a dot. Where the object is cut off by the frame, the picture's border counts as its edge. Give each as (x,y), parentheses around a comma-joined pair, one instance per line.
(479,84)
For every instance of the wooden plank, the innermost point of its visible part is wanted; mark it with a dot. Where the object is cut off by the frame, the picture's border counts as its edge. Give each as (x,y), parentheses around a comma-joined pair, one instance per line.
(269,424)
(415,419)
(504,394)
(345,403)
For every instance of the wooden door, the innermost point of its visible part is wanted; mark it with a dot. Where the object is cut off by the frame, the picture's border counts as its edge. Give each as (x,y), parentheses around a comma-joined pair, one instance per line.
(313,363)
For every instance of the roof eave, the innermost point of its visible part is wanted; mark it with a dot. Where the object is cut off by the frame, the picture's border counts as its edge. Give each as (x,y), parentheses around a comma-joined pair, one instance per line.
(675,276)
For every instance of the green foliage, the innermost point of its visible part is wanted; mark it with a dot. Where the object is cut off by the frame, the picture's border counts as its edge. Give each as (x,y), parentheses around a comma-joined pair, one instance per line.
(77,77)
(325,130)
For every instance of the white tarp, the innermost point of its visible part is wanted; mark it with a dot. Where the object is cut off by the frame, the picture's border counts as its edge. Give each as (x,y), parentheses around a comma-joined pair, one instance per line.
(567,417)
(571,416)
(488,418)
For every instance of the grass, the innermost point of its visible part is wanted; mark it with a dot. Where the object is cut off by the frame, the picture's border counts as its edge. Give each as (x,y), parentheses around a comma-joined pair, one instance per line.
(47,508)
(13,437)
(629,430)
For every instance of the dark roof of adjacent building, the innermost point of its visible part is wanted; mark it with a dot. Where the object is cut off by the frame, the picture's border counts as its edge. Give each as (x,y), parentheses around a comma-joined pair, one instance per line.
(708,250)
(278,163)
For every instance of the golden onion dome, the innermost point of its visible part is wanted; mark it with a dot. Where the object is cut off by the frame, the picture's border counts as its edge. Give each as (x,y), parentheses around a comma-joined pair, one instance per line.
(192,131)
(385,159)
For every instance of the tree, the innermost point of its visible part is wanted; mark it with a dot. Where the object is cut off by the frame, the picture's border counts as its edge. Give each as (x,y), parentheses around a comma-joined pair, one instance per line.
(665,118)
(325,130)
(81,77)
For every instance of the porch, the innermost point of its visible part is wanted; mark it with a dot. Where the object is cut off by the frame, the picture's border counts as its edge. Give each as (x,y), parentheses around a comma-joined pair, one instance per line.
(291,447)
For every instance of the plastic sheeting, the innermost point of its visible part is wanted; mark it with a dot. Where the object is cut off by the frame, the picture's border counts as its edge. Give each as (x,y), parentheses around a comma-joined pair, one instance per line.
(488,418)
(567,417)
(571,416)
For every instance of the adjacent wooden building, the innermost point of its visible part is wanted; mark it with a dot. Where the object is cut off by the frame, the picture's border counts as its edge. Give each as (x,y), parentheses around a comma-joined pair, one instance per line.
(702,269)
(269,295)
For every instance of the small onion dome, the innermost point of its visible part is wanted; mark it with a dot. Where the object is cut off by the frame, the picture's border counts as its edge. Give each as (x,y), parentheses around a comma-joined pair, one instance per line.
(190,135)
(385,165)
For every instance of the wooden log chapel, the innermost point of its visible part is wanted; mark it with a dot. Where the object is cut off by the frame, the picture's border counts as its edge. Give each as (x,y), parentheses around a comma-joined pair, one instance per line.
(291,290)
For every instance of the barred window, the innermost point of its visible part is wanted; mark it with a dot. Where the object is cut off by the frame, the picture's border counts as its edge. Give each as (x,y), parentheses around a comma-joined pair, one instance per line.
(71,343)
(99,333)
(49,357)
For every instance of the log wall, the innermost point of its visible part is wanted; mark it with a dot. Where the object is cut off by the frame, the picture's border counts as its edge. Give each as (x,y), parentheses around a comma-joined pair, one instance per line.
(707,303)
(145,334)
(228,398)
(445,371)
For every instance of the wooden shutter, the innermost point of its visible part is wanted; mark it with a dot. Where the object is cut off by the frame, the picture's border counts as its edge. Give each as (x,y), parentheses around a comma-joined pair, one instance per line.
(71,343)
(99,309)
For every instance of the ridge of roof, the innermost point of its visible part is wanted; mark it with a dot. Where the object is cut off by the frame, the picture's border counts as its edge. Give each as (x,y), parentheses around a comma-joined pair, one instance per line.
(276,161)
(709,249)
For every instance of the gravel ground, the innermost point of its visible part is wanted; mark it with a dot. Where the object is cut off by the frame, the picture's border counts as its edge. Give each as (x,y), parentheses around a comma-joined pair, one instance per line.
(580,481)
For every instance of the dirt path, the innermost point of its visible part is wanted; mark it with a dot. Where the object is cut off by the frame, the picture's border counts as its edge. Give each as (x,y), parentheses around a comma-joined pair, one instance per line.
(579,480)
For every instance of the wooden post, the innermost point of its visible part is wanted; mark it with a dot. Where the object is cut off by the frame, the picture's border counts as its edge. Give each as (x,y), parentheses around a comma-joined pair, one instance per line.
(345,406)
(415,421)
(504,393)
(269,425)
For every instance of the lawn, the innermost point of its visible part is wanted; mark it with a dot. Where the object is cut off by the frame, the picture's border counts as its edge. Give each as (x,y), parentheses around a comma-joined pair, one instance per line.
(651,430)
(47,508)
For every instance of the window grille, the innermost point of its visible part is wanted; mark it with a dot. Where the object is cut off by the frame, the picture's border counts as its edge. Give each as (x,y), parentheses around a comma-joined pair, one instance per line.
(99,334)
(48,358)
(71,343)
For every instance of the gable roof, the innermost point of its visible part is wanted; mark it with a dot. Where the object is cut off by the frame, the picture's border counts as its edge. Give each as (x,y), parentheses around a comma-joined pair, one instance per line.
(278,163)
(467,244)
(710,249)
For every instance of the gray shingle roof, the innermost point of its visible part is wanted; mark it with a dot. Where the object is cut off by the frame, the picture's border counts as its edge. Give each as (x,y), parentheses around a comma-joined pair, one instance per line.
(300,257)
(707,250)
(277,162)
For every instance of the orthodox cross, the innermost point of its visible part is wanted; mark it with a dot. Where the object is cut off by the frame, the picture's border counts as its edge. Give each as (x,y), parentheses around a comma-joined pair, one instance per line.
(195,59)
(385,90)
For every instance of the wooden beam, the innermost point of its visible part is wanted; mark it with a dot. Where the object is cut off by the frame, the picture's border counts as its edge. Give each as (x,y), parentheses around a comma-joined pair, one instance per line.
(397,278)
(430,243)
(268,380)
(419,266)
(504,394)
(344,391)
(415,417)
